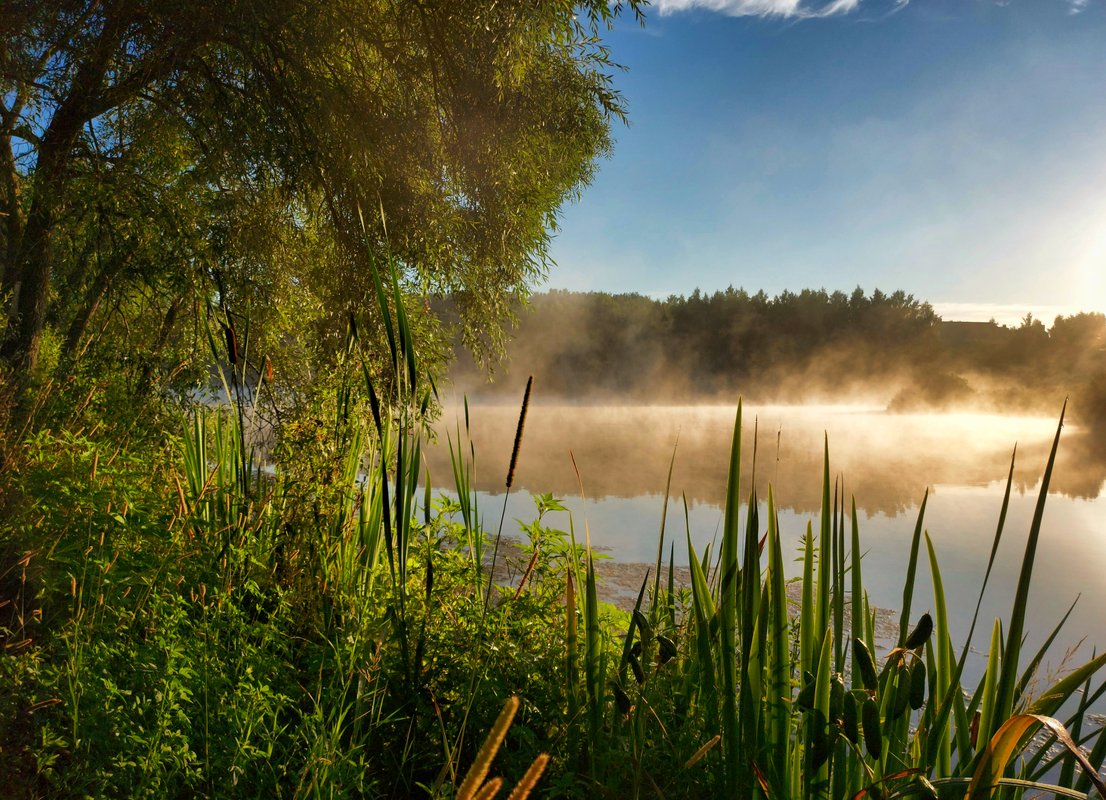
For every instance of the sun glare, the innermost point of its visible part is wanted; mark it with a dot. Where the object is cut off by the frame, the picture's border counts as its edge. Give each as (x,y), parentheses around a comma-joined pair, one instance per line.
(1090,280)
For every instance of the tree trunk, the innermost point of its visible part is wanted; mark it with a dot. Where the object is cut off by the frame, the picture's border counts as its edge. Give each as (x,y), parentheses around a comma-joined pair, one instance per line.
(32,264)
(93,297)
(13,222)
(146,381)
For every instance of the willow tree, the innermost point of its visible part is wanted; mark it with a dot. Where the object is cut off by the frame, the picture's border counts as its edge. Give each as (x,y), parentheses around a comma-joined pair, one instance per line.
(156,145)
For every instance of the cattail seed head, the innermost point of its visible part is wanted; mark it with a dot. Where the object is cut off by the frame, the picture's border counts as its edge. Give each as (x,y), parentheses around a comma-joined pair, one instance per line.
(268,371)
(518,432)
(232,343)
(530,779)
(921,633)
(489,790)
(698,755)
(479,769)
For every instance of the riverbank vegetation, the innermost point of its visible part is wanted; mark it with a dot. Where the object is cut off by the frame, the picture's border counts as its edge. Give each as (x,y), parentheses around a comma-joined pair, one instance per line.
(227,232)
(179,622)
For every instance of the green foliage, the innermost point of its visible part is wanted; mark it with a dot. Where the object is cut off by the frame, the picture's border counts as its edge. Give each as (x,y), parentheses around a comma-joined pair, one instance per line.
(265,196)
(178,643)
(159,161)
(180,623)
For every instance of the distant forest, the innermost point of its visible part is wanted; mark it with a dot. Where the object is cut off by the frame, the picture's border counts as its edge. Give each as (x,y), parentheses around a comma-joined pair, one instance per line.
(810,346)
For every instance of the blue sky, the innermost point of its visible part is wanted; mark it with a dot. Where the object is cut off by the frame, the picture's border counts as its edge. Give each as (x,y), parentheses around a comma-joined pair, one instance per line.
(955,149)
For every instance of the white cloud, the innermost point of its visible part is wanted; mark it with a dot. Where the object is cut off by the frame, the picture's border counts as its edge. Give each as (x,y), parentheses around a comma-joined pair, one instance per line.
(791,9)
(1077,6)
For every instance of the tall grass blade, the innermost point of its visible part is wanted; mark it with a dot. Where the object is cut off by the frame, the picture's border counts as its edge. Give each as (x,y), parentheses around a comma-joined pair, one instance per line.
(936,726)
(1034,663)
(941,642)
(660,537)
(703,666)
(806,605)
(752,625)
(911,571)
(572,660)
(1009,740)
(825,549)
(671,599)
(838,576)
(1008,680)
(727,605)
(818,741)
(628,639)
(593,663)
(856,596)
(988,693)
(1097,757)
(381,298)
(404,326)
(778,701)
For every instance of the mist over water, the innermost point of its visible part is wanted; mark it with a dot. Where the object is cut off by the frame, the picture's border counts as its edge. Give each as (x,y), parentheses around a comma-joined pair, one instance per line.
(886,461)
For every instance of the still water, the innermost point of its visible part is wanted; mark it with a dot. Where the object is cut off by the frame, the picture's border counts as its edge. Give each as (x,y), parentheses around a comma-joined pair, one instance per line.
(885,461)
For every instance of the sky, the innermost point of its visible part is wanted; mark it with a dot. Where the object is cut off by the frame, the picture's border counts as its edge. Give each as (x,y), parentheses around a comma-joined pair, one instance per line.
(955,149)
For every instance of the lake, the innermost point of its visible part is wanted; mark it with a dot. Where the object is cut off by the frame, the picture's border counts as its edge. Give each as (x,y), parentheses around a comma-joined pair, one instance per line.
(886,461)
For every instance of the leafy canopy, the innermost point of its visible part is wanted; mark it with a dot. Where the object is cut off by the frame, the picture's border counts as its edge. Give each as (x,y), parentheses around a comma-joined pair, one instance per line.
(161,157)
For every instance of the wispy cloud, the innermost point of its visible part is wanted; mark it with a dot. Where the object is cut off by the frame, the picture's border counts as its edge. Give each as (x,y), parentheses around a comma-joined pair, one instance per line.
(1077,6)
(788,9)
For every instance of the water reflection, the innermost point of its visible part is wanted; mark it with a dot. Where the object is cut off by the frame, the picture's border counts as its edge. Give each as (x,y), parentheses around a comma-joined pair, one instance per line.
(886,460)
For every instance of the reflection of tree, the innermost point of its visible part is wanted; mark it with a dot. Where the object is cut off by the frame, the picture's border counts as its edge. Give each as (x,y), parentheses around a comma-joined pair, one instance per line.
(1081,465)
(885,460)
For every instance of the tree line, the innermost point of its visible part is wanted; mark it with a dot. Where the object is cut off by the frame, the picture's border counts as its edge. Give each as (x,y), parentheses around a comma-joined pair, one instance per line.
(794,347)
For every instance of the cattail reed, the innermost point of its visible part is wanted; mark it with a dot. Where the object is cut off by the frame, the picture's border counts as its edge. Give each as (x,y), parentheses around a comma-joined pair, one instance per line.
(518,432)
(699,754)
(479,769)
(490,789)
(268,371)
(232,343)
(530,779)
(510,481)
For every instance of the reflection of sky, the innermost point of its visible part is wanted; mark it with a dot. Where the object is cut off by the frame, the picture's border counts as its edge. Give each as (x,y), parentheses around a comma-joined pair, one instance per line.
(961,521)
(961,514)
